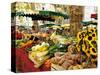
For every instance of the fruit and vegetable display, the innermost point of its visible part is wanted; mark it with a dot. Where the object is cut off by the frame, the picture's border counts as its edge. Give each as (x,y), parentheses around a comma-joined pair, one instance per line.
(68,56)
(60,52)
(63,53)
(52,39)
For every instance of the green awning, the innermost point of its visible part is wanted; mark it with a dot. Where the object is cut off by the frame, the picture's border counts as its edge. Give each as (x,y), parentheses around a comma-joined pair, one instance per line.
(86,23)
(47,25)
(34,16)
(42,15)
(51,13)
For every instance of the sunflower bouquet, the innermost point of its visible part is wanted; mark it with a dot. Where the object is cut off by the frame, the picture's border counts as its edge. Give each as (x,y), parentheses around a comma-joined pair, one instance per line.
(87,45)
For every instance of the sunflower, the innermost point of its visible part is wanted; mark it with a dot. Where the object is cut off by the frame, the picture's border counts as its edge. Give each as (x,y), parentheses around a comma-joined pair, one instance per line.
(94,43)
(88,52)
(79,36)
(87,42)
(89,38)
(85,48)
(93,51)
(91,29)
(83,34)
(94,35)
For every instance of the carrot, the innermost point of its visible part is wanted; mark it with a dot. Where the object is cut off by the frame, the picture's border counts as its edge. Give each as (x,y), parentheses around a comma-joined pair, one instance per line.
(47,63)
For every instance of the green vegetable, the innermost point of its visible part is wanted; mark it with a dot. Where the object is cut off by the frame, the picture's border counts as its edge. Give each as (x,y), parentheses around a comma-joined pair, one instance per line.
(56,48)
(53,49)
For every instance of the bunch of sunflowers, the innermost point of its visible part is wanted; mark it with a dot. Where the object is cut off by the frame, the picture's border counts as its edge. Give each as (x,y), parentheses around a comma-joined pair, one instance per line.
(87,44)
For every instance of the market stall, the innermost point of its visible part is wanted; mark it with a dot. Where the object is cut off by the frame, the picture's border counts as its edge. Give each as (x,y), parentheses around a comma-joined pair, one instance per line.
(45,40)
